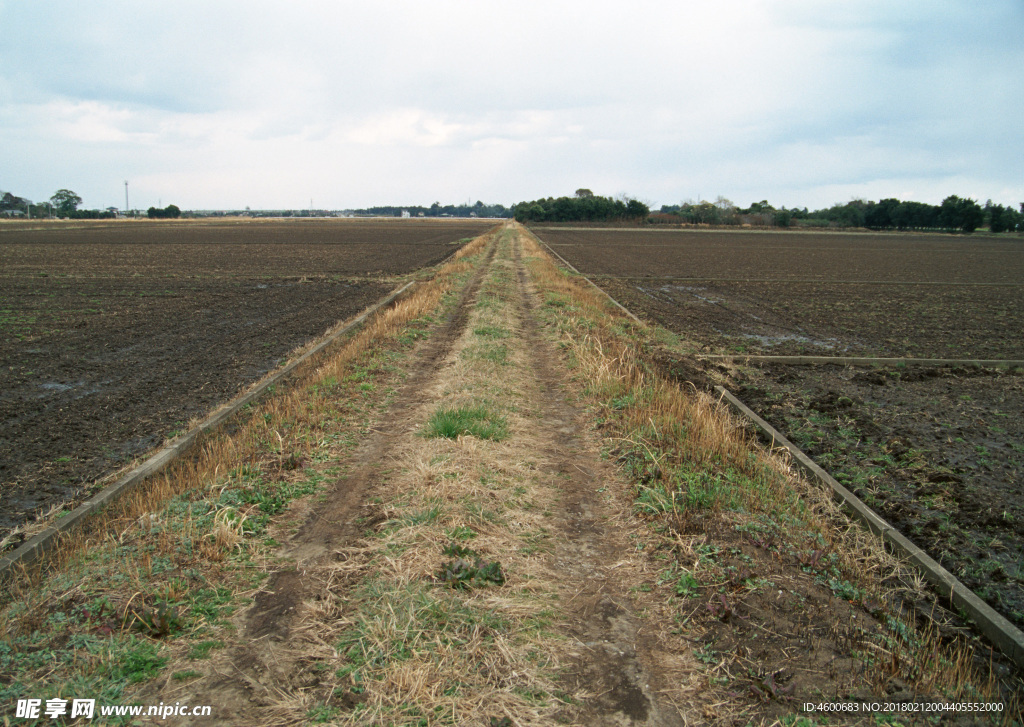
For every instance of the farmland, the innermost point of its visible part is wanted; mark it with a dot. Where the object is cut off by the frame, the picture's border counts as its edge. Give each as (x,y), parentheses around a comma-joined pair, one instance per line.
(114,335)
(488,505)
(937,450)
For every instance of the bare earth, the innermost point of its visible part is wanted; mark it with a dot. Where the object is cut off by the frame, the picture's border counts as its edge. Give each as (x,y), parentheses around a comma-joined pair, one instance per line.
(114,335)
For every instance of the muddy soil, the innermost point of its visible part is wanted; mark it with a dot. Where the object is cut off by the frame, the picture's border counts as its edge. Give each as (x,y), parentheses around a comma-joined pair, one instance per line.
(823,319)
(114,336)
(938,451)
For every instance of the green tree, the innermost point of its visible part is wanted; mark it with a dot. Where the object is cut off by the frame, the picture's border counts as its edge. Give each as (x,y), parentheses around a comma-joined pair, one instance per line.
(171,211)
(637,209)
(960,214)
(997,222)
(65,201)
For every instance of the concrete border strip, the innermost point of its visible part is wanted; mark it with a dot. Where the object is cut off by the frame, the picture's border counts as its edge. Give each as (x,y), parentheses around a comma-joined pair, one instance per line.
(604,292)
(37,545)
(866,360)
(1007,637)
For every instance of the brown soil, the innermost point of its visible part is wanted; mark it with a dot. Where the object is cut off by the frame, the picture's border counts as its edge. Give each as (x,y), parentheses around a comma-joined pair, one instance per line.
(937,451)
(790,256)
(115,335)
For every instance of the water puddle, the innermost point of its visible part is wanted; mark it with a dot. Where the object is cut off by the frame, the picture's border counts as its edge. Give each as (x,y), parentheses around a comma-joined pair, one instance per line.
(781,338)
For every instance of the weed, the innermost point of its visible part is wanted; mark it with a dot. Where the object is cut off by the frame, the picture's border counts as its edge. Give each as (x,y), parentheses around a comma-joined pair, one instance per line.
(203,648)
(161,619)
(468,569)
(477,421)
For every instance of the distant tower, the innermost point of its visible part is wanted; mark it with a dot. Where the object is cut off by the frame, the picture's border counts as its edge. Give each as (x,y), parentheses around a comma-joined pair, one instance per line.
(126,196)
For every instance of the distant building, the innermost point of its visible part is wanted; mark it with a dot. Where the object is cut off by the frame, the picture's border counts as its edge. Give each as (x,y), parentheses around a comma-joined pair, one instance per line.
(405,213)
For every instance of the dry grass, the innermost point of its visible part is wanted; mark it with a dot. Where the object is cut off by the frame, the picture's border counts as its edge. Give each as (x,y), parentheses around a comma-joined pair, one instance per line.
(412,647)
(693,461)
(169,562)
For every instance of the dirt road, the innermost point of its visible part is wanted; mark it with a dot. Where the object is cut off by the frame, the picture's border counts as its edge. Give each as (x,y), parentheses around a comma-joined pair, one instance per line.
(540,502)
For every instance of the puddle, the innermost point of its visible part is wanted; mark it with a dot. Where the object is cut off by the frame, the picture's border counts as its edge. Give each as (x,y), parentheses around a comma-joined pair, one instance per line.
(782,338)
(57,387)
(52,388)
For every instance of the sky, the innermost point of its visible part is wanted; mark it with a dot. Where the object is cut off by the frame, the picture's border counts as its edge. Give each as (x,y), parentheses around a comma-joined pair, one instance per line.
(335,105)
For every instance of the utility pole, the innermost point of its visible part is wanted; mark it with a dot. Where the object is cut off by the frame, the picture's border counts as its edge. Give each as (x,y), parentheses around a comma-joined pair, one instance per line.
(126,197)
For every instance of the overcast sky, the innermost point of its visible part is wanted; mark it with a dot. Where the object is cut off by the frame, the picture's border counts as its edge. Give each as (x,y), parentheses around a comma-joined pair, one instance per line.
(267,104)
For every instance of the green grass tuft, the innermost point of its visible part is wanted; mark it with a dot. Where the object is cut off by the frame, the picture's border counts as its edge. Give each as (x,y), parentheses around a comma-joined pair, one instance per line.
(478,421)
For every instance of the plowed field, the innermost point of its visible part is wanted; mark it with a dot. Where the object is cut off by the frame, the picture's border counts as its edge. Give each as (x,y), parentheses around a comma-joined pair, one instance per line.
(115,334)
(938,451)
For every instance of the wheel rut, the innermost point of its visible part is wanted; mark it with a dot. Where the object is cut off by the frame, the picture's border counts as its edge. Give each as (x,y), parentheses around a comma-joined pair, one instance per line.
(254,677)
(615,669)
(615,661)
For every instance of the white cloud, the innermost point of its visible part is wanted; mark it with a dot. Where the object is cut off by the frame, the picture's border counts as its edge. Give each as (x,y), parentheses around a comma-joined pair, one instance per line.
(354,103)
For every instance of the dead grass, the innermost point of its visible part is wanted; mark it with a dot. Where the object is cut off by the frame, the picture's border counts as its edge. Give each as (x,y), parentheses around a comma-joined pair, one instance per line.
(411,646)
(699,471)
(169,563)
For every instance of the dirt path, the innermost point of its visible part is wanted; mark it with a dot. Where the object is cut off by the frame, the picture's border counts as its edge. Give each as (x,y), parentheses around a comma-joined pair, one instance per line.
(573,646)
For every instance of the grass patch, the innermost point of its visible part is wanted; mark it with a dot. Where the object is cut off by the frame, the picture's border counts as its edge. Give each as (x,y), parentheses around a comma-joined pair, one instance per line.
(492,332)
(476,421)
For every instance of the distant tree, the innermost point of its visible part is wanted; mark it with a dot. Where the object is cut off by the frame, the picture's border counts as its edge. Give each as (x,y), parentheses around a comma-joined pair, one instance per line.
(65,201)
(588,209)
(9,202)
(879,215)
(757,207)
(960,214)
(583,192)
(782,218)
(995,213)
(169,212)
(637,209)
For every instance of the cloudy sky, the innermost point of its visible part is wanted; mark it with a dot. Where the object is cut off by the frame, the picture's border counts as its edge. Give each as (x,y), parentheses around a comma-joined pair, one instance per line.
(219,104)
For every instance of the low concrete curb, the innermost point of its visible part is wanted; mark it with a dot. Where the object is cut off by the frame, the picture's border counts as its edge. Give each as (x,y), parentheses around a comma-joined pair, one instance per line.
(36,546)
(603,292)
(1006,637)
(866,361)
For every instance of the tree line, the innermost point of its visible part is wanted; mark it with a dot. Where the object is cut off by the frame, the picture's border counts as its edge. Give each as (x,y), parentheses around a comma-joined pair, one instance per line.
(438,210)
(171,211)
(585,206)
(954,214)
(64,204)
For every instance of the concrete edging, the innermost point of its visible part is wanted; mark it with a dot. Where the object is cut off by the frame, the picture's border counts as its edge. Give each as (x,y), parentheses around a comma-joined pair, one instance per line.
(36,546)
(1007,637)
(568,265)
(865,360)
